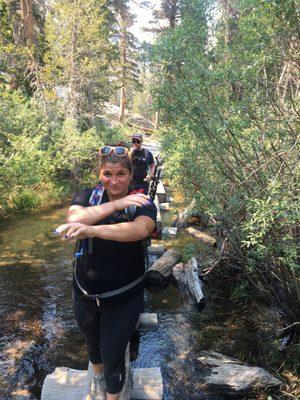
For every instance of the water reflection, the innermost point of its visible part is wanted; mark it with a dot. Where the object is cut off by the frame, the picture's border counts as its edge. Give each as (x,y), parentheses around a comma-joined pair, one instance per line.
(38,331)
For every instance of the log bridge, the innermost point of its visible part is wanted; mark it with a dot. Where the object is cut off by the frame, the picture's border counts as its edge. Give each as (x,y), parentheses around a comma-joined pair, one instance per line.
(71,384)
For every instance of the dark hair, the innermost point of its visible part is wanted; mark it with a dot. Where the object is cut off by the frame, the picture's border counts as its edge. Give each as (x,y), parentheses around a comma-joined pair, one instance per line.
(125,161)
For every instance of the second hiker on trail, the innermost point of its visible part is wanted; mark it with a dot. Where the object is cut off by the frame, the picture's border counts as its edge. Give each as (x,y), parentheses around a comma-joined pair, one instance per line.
(143,164)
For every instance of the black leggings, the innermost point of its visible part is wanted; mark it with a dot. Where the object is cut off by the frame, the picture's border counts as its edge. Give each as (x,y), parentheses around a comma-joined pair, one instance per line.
(107,330)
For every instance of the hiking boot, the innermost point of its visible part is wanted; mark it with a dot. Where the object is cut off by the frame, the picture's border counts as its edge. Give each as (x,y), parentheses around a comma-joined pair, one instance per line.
(99,387)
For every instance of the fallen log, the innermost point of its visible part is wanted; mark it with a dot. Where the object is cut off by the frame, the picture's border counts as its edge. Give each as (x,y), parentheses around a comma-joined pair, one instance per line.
(184,215)
(160,272)
(168,232)
(202,236)
(187,278)
(231,377)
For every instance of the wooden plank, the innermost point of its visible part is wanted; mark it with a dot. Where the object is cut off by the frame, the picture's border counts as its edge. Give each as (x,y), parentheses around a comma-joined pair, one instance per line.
(158,217)
(147,384)
(64,384)
(148,322)
(70,384)
(89,384)
(161,193)
(156,249)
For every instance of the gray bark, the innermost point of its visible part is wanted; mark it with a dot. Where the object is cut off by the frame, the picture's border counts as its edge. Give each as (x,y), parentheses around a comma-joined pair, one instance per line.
(187,277)
(230,377)
(161,270)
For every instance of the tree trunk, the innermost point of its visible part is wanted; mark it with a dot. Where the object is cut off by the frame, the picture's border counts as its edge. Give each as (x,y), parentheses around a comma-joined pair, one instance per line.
(160,272)
(173,11)
(230,16)
(123,51)
(182,219)
(28,22)
(73,109)
(156,121)
(122,104)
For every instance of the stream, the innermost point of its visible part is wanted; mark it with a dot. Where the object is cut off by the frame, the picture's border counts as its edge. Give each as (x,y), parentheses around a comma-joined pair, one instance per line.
(38,331)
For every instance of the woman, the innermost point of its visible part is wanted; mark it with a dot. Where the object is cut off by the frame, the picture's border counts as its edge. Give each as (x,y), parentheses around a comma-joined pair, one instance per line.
(110,224)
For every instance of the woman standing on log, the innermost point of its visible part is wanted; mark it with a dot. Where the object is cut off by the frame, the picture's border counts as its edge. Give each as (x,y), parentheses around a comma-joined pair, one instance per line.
(109,223)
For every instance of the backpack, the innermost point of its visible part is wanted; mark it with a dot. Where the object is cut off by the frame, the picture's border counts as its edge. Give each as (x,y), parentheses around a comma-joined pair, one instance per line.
(97,195)
(84,248)
(96,198)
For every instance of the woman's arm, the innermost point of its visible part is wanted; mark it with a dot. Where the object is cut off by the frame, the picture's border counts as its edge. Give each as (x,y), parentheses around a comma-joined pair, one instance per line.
(138,229)
(93,214)
(90,215)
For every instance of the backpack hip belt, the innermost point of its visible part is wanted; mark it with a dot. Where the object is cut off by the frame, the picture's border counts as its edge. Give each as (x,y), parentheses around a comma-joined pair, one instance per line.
(97,297)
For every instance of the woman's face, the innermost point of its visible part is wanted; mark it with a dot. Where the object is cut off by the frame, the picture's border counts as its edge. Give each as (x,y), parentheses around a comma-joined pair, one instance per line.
(115,179)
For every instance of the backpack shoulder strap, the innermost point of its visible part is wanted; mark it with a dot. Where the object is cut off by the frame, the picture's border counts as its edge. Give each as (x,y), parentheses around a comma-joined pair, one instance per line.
(96,196)
(130,211)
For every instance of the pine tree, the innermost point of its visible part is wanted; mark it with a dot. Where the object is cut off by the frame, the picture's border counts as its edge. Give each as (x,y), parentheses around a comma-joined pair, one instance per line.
(80,52)
(127,64)
(27,21)
(21,42)
(166,16)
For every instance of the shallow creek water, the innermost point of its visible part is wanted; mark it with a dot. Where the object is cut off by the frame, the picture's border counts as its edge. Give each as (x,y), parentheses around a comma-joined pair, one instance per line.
(38,331)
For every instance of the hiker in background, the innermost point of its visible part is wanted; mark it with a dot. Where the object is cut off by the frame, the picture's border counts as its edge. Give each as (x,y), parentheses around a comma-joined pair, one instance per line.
(110,225)
(143,164)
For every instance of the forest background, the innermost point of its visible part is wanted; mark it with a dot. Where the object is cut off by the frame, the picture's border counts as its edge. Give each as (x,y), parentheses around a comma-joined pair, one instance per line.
(222,77)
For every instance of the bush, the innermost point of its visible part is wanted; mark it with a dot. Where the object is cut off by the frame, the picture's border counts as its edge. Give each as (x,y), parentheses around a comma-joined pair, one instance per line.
(40,158)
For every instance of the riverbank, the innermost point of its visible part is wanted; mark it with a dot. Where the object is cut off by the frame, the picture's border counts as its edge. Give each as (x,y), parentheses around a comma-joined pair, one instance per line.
(39,332)
(37,199)
(237,321)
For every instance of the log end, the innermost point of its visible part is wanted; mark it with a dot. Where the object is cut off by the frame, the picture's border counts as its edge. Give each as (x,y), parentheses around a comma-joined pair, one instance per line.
(155,281)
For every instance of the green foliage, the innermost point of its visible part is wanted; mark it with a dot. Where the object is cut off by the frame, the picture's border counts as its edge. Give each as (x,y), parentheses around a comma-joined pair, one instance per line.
(190,250)
(80,52)
(273,219)
(229,98)
(25,201)
(17,59)
(36,154)
(73,149)
(240,292)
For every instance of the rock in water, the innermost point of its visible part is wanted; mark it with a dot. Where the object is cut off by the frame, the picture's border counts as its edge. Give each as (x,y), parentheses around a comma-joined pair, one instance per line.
(231,377)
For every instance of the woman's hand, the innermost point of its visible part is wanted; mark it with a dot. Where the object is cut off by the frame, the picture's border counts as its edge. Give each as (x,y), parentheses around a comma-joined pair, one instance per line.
(75,230)
(137,200)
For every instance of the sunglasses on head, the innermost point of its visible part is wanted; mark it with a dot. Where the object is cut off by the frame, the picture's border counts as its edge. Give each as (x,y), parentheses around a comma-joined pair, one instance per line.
(118,150)
(136,141)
